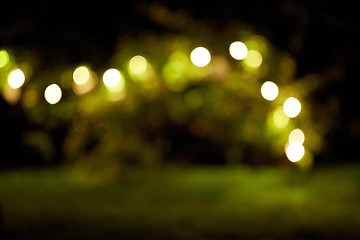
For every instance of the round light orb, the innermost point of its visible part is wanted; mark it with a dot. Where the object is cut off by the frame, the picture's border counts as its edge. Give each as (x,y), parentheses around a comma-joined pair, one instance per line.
(292,107)
(253,59)
(297,136)
(200,57)
(53,94)
(16,79)
(269,90)
(4,58)
(138,64)
(238,50)
(81,75)
(111,77)
(280,119)
(295,151)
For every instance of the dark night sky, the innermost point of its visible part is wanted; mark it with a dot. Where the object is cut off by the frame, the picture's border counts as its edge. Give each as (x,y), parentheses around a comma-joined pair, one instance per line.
(328,30)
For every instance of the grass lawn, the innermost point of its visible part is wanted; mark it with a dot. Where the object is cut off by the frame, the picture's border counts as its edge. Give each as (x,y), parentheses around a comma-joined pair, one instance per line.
(182,203)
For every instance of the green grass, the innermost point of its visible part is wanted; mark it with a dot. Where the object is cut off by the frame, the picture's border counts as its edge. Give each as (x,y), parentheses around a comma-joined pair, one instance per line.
(182,203)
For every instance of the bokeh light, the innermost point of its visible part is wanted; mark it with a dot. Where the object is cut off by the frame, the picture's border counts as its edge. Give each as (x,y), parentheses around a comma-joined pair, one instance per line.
(137,65)
(297,136)
(294,151)
(112,78)
(4,58)
(238,50)
(11,95)
(269,90)
(292,107)
(16,79)
(115,83)
(253,59)
(81,75)
(53,94)
(279,118)
(200,57)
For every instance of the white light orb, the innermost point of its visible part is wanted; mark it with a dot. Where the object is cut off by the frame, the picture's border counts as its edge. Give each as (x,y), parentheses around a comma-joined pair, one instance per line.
(200,57)
(295,151)
(269,91)
(238,50)
(53,94)
(292,107)
(112,77)
(16,79)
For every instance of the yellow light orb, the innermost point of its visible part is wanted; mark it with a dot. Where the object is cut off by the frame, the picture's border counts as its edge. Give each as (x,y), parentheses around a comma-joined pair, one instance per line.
(4,58)
(138,64)
(200,57)
(238,50)
(294,151)
(53,94)
(16,79)
(253,59)
(81,75)
(292,107)
(297,136)
(269,90)
(279,118)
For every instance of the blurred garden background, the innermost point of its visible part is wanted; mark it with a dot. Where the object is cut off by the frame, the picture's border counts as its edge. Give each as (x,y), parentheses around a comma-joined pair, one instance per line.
(191,120)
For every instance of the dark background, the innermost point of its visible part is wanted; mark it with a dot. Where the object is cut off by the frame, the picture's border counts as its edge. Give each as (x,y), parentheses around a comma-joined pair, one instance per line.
(320,36)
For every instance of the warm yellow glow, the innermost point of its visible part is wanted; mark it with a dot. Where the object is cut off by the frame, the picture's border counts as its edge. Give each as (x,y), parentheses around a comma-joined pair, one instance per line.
(292,107)
(11,95)
(269,90)
(253,59)
(297,136)
(16,79)
(53,94)
(87,86)
(279,118)
(200,57)
(113,79)
(4,58)
(81,75)
(294,151)
(137,65)
(238,50)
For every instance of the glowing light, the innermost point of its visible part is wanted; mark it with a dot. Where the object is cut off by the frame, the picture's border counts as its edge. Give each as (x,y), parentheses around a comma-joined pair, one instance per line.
(112,78)
(81,75)
(269,90)
(4,58)
(30,98)
(200,57)
(53,94)
(11,95)
(238,50)
(297,136)
(294,151)
(292,107)
(16,79)
(279,118)
(253,59)
(137,65)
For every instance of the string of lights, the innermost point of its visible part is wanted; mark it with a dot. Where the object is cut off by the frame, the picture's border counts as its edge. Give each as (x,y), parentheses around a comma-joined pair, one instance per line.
(174,75)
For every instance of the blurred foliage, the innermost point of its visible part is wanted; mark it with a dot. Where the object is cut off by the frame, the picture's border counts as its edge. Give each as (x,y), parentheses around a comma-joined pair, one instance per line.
(173,110)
